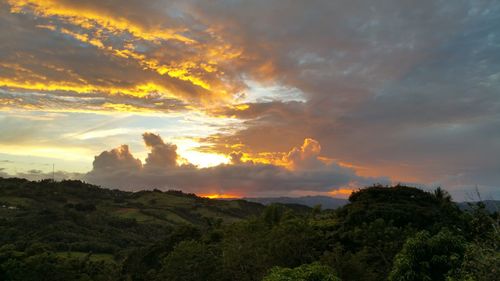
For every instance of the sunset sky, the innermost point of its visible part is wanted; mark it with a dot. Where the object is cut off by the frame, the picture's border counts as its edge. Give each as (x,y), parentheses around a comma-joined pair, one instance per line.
(252,98)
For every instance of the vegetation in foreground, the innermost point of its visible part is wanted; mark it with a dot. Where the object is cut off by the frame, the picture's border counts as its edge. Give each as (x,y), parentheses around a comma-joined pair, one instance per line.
(70,230)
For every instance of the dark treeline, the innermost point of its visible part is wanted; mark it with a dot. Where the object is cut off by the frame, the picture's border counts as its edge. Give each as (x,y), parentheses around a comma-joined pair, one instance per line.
(74,231)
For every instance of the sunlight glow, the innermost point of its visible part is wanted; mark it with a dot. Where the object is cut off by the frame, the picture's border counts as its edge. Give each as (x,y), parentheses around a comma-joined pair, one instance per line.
(64,153)
(220,196)
(342,192)
(186,148)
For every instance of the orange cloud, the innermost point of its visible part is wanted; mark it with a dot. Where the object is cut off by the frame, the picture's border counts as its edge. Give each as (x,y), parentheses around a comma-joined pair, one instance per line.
(220,196)
(193,65)
(86,17)
(342,192)
(119,168)
(180,71)
(140,90)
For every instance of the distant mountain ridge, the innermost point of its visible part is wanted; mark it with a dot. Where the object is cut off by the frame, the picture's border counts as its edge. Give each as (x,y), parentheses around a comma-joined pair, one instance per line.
(326,202)
(491,206)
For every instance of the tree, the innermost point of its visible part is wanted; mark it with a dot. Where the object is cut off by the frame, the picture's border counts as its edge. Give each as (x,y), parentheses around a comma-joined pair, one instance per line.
(481,263)
(442,195)
(305,272)
(428,258)
(192,260)
(482,258)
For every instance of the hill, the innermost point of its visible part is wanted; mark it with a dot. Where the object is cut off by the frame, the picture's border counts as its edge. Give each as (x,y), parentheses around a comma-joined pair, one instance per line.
(326,202)
(75,217)
(491,206)
(71,230)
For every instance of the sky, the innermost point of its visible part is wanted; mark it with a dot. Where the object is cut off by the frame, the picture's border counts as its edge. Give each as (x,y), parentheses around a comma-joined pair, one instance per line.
(253,98)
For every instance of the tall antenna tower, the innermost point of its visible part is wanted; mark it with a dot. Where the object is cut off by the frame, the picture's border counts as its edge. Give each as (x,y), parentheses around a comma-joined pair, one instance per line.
(53,172)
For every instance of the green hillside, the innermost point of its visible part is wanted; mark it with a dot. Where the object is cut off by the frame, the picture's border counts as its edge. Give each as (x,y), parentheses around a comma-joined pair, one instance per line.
(74,217)
(70,230)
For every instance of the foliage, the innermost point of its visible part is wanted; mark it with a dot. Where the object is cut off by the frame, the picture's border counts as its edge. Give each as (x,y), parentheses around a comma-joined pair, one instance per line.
(403,206)
(48,266)
(306,272)
(481,263)
(71,230)
(192,260)
(426,257)
(482,256)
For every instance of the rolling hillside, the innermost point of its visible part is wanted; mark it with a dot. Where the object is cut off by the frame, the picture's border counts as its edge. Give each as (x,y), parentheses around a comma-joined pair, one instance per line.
(70,230)
(72,217)
(326,202)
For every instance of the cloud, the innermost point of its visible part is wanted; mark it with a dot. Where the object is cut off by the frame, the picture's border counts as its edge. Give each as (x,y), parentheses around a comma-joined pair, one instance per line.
(407,89)
(162,156)
(235,157)
(409,102)
(112,54)
(36,175)
(117,160)
(304,172)
(306,156)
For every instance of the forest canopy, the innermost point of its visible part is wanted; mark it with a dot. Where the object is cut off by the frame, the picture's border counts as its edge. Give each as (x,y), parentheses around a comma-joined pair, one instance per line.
(71,230)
